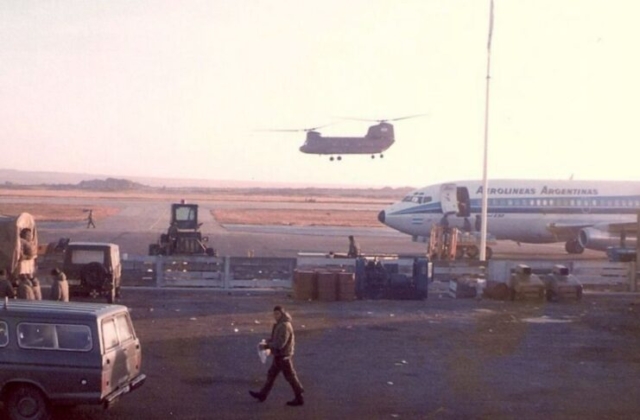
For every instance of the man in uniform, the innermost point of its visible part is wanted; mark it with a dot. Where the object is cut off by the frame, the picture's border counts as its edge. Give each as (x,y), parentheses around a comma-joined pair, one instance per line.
(6,288)
(25,289)
(90,220)
(172,234)
(281,344)
(28,253)
(59,287)
(354,248)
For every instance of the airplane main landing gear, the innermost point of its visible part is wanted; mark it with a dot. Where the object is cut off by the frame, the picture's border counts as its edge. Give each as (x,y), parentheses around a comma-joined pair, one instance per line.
(373,156)
(338,158)
(381,155)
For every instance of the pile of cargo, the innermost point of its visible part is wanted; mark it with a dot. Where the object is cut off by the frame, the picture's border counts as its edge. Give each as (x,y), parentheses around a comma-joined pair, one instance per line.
(324,285)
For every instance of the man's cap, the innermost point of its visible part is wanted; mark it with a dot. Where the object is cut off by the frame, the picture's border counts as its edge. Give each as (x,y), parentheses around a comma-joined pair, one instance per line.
(55,271)
(278,308)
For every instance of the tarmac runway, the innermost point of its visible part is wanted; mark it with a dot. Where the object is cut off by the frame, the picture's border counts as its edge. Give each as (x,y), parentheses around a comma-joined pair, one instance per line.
(140,222)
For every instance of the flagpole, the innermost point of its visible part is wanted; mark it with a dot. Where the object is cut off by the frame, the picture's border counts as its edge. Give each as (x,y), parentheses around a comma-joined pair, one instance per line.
(485,183)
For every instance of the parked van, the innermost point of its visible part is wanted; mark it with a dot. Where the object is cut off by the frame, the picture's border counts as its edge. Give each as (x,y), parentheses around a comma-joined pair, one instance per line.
(60,353)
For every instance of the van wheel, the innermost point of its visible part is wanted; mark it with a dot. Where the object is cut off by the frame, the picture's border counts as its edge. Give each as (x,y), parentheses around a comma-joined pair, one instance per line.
(27,402)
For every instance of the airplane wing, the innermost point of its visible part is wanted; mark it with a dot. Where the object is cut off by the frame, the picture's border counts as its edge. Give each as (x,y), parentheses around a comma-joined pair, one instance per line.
(569,229)
(628,227)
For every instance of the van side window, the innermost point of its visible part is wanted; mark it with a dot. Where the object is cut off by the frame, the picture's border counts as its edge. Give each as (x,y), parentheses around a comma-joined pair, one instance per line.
(37,336)
(109,334)
(4,334)
(74,337)
(125,331)
(66,337)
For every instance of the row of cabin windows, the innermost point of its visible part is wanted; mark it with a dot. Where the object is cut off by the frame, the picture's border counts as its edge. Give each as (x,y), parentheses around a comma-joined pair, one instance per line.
(49,336)
(565,202)
(68,336)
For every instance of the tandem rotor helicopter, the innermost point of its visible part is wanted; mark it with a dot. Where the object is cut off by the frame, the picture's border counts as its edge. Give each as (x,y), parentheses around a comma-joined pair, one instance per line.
(378,139)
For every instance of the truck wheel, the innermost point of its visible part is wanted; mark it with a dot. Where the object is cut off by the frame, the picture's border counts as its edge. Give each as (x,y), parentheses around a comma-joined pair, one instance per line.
(93,275)
(473,252)
(488,253)
(27,402)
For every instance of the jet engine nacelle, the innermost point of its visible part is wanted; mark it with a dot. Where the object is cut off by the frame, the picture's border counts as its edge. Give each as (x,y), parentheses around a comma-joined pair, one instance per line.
(600,240)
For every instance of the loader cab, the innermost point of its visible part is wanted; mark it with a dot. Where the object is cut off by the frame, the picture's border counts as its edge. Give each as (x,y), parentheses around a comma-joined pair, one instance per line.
(185,216)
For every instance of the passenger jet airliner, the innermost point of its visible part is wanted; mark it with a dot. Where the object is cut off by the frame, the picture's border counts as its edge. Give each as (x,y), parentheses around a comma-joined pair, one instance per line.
(583,214)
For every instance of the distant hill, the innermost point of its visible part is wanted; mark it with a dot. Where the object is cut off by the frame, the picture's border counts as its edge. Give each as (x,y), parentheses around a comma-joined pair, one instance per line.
(11,178)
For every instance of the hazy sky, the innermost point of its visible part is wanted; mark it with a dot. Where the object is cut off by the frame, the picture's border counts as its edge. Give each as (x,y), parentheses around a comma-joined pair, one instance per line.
(179,88)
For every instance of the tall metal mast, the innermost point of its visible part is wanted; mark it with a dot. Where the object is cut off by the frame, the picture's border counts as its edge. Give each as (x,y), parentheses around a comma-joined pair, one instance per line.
(485,190)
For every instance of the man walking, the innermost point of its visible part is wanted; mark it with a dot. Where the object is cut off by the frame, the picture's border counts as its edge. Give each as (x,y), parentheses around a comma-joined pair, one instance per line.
(90,220)
(281,344)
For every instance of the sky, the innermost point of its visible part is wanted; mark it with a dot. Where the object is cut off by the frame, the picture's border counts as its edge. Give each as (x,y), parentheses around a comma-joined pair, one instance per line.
(162,88)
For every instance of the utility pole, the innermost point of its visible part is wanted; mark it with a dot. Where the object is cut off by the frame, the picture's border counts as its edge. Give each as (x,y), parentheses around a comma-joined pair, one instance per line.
(485,183)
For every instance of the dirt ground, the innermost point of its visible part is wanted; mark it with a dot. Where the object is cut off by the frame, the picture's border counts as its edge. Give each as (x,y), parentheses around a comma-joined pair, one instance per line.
(435,359)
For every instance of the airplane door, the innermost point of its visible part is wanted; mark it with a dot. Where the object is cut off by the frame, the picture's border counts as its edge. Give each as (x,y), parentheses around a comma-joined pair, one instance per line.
(464,205)
(449,199)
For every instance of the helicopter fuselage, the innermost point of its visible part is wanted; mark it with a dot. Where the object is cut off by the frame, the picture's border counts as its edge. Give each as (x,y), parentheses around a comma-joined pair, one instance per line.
(378,139)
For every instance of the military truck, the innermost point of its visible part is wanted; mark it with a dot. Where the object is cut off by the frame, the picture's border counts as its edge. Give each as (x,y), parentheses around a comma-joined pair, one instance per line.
(18,245)
(183,236)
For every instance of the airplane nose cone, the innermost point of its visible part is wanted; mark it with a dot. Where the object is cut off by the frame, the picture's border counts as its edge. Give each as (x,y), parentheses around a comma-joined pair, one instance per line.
(381,216)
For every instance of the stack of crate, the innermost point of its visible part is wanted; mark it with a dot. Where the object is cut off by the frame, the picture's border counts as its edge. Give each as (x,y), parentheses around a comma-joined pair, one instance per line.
(324,285)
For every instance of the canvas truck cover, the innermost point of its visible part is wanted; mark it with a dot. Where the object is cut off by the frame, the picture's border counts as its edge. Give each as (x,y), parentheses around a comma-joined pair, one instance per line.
(10,248)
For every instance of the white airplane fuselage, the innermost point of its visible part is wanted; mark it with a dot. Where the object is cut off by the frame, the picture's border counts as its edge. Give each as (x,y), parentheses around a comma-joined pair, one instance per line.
(585,214)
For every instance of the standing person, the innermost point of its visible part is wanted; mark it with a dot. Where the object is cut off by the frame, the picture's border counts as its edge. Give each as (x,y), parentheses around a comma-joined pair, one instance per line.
(59,287)
(281,344)
(35,284)
(90,220)
(6,288)
(28,253)
(172,234)
(25,289)
(354,248)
